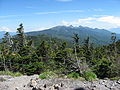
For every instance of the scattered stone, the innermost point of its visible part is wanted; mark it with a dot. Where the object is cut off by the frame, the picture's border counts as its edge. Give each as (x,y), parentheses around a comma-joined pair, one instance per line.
(34,88)
(61,84)
(118,81)
(81,88)
(16,88)
(2,79)
(56,86)
(34,83)
(5,77)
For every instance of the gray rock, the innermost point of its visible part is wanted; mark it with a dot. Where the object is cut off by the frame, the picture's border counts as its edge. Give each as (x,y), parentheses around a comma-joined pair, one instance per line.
(5,77)
(81,88)
(118,81)
(34,83)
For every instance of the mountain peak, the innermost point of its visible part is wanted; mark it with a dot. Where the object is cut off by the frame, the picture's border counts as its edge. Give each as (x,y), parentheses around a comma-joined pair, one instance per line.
(97,36)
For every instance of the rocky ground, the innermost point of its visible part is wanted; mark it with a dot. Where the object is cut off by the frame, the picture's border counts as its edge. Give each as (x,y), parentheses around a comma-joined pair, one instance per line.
(34,83)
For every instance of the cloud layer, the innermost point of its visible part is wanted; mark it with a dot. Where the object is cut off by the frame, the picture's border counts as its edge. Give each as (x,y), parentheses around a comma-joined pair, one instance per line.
(5,29)
(103,22)
(106,22)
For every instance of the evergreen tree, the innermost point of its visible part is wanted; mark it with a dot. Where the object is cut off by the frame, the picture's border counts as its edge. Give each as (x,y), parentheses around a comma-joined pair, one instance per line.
(21,36)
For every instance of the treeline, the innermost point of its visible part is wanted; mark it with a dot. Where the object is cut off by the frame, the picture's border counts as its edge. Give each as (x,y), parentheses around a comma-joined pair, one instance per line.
(19,54)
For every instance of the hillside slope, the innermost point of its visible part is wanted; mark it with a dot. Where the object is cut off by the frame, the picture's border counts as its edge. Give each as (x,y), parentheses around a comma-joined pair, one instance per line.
(97,36)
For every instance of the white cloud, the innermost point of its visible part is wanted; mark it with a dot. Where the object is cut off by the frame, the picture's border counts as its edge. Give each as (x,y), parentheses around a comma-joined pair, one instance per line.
(29,29)
(65,0)
(110,19)
(100,15)
(79,21)
(9,16)
(4,20)
(37,29)
(6,29)
(58,12)
(98,10)
(86,20)
(106,22)
(95,10)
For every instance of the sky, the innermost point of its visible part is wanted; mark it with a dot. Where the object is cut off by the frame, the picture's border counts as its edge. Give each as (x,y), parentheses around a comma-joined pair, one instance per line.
(42,14)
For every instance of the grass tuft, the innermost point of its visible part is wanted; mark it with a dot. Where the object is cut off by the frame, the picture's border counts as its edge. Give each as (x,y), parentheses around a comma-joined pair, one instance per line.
(14,74)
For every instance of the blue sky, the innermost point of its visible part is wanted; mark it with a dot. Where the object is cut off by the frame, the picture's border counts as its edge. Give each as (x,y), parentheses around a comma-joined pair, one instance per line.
(41,14)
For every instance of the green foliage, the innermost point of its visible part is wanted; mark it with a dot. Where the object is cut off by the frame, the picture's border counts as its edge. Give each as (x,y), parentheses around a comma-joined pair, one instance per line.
(102,68)
(115,78)
(25,51)
(114,70)
(32,68)
(19,54)
(48,74)
(97,36)
(21,36)
(73,75)
(43,49)
(90,76)
(16,74)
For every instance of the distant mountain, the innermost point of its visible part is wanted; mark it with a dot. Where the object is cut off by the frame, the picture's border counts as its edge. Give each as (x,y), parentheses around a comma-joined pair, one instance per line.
(3,32)
(115,30)
(97,36)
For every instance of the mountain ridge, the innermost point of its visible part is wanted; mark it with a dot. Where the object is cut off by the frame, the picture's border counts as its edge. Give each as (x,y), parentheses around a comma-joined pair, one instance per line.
(97,36)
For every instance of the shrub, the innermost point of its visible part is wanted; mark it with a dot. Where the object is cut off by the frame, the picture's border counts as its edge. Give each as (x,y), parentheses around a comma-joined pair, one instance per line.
(115,78)
(47,75)
(14,74)
(17,74)
(103,68)
(73,75)
(33,68)
(90,76)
